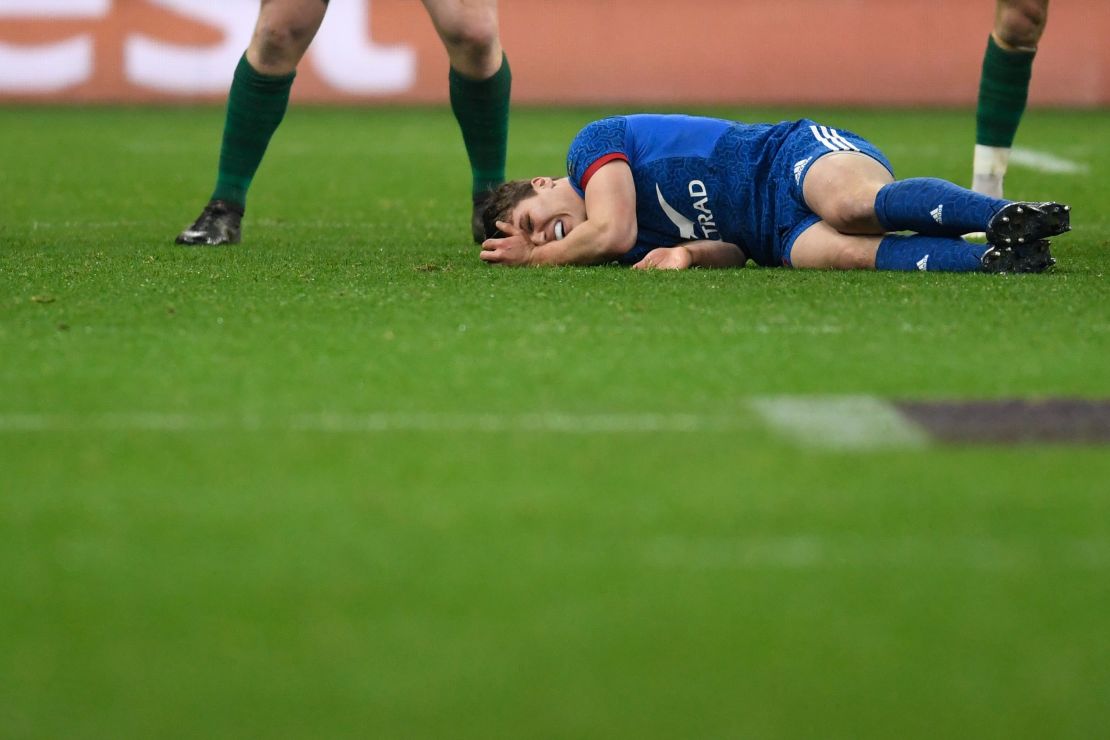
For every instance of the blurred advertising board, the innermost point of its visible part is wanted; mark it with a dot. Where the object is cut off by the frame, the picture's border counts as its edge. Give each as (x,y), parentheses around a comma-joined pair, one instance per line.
(823,52)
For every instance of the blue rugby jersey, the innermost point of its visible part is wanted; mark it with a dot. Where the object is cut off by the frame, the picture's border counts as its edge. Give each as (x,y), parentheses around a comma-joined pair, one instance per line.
(696,178)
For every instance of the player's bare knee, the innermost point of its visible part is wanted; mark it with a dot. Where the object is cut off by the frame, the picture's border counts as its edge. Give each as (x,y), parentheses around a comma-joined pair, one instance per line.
(280,45)
(855,256)
(1020,23)
(852,212)
(472,34)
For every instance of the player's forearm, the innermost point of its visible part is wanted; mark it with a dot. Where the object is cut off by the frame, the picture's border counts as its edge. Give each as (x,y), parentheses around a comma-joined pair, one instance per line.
(589,243)
(715,254)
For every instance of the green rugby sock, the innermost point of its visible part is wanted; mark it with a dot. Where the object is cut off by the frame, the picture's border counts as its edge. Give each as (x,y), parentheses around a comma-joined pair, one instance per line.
(255,107)
(482,109)
(1003,90)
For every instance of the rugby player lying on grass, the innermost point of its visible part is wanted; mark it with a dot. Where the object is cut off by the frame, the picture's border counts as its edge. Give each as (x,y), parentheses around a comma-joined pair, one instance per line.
(671,192)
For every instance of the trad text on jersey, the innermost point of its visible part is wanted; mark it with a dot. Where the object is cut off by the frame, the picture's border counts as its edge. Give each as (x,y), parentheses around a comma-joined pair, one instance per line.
(700,194)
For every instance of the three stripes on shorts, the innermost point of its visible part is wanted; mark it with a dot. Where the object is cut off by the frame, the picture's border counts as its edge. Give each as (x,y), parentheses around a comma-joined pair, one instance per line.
(833,140)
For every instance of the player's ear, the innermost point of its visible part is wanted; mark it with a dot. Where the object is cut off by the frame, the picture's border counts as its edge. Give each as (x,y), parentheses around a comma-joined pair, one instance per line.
(539,183)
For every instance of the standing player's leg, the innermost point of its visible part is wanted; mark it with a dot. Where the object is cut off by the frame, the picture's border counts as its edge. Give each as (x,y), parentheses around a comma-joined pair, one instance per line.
(255,106)
(1004,88)
(480,82)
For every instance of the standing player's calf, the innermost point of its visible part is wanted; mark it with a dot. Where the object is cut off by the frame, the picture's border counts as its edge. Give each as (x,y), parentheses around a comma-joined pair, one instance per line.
(1004,88)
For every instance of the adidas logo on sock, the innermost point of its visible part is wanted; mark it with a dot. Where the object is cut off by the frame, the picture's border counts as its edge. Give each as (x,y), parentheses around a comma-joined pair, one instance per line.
(923,263)
(938,214)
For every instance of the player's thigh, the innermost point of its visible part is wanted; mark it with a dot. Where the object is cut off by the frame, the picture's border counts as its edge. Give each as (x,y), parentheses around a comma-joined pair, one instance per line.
(283,33)
(841,189)
(470,34)
(822,247)
(1019,24)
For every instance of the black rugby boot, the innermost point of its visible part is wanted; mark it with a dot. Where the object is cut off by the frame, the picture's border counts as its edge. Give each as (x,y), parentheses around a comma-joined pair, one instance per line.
(1024,223)
(1027,257)
(219,223)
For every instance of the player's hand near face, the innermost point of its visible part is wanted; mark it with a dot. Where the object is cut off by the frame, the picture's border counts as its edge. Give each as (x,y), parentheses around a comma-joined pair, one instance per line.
(557,226)
(665,258)
(513,249)
(693,254)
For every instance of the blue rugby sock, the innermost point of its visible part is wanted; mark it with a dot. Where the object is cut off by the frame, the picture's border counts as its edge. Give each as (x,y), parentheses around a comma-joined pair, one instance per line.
(932,253)
(932,206)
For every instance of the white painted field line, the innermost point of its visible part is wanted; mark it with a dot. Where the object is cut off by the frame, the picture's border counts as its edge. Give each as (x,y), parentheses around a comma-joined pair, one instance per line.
(537,422)
(832,423)
(817,552)
(115,422)
(568,423)
(1035,159)
(840,422)
(36,225)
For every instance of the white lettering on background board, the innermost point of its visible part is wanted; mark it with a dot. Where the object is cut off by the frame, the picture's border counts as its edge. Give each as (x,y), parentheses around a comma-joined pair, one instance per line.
(54,66)
(344,54)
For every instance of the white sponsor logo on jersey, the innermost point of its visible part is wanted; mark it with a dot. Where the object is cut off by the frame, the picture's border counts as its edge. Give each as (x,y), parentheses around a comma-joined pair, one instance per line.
(685,225)
(700,195)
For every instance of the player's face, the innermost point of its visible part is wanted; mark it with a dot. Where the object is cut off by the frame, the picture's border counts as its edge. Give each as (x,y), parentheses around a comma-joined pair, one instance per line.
(551,213)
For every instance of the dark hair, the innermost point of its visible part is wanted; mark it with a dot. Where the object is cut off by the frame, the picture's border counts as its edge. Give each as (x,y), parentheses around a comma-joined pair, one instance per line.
(502,201)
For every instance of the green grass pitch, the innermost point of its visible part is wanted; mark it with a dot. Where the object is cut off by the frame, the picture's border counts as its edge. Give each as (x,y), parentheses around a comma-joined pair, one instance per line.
(344,480)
